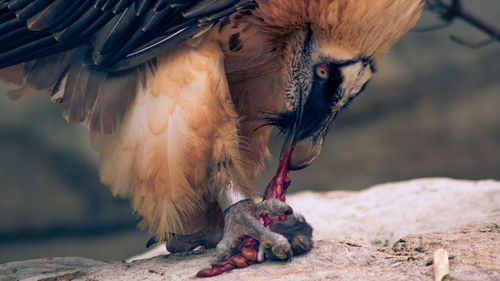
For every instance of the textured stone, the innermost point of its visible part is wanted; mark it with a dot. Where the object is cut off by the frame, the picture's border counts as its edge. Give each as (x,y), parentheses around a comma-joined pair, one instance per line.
(47,267)
(386,212)
(423,215)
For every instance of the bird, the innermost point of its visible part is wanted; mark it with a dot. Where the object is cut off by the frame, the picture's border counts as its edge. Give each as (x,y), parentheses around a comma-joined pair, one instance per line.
(180,96)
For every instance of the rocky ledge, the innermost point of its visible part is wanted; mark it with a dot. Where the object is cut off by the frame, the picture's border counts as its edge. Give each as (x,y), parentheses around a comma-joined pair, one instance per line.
(386,232)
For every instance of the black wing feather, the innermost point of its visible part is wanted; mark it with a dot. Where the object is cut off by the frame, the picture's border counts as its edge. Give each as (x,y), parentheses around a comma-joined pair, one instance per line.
(18,4)
(11,25)
(96,52)
(60,25)
(115,33)
(143,6)
(45,19)
(73,11)
(202,8)
(89,16)
(32,9)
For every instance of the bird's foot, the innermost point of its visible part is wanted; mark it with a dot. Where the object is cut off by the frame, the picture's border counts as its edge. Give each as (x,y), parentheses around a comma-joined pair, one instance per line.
(242,219)
(208,238)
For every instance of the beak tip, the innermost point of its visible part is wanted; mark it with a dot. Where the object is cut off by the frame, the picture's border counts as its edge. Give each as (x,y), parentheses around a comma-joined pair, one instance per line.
(304,154)
(298,166)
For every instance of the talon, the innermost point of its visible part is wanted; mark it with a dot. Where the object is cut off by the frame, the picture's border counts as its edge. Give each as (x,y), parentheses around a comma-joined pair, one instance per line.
(221,255)
(279,250)
(282,252)
(261,254)
(225,247)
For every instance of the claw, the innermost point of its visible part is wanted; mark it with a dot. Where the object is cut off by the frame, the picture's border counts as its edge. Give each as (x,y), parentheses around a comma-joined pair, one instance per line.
(282,252)
(277,251)
(261,254)
(225,248)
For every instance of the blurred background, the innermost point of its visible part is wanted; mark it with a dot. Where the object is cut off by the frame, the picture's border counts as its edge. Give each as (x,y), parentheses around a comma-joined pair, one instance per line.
(432,110)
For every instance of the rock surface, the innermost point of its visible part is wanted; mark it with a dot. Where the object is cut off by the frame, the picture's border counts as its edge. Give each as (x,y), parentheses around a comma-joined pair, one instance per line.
(421,216)
(386,212)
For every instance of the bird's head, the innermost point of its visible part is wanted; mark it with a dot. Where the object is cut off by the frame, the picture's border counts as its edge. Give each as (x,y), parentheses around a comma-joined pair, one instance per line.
(330,49)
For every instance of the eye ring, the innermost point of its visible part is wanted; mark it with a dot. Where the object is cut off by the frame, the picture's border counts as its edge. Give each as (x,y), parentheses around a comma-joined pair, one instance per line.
(322,71)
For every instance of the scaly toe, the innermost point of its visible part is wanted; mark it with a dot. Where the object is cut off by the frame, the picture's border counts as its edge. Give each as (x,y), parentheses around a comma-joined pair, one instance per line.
(277,249)
(282,251)
(273,207)
(241,220)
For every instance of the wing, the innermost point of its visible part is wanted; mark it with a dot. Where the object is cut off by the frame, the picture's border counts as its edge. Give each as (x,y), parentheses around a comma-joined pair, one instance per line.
(92,54)
(121,33)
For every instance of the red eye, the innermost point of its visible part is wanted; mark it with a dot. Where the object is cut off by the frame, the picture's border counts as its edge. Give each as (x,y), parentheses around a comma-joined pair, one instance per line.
(322,71)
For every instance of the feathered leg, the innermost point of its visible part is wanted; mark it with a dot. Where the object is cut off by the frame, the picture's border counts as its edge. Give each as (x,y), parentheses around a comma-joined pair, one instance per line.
(228,176)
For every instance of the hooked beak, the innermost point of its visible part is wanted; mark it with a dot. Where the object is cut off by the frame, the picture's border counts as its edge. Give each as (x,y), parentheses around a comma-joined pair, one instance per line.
(306,151)
(303,150)
(305,135)
(304,146)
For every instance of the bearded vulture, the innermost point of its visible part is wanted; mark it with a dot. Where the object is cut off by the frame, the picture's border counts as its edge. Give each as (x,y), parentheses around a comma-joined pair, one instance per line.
(180,96)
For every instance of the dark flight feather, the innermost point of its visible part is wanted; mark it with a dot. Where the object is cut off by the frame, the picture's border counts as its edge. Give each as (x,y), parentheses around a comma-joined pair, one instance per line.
(45,72)
(75,92)
(113,99)
(45,19)
(141,26)
(97,51)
